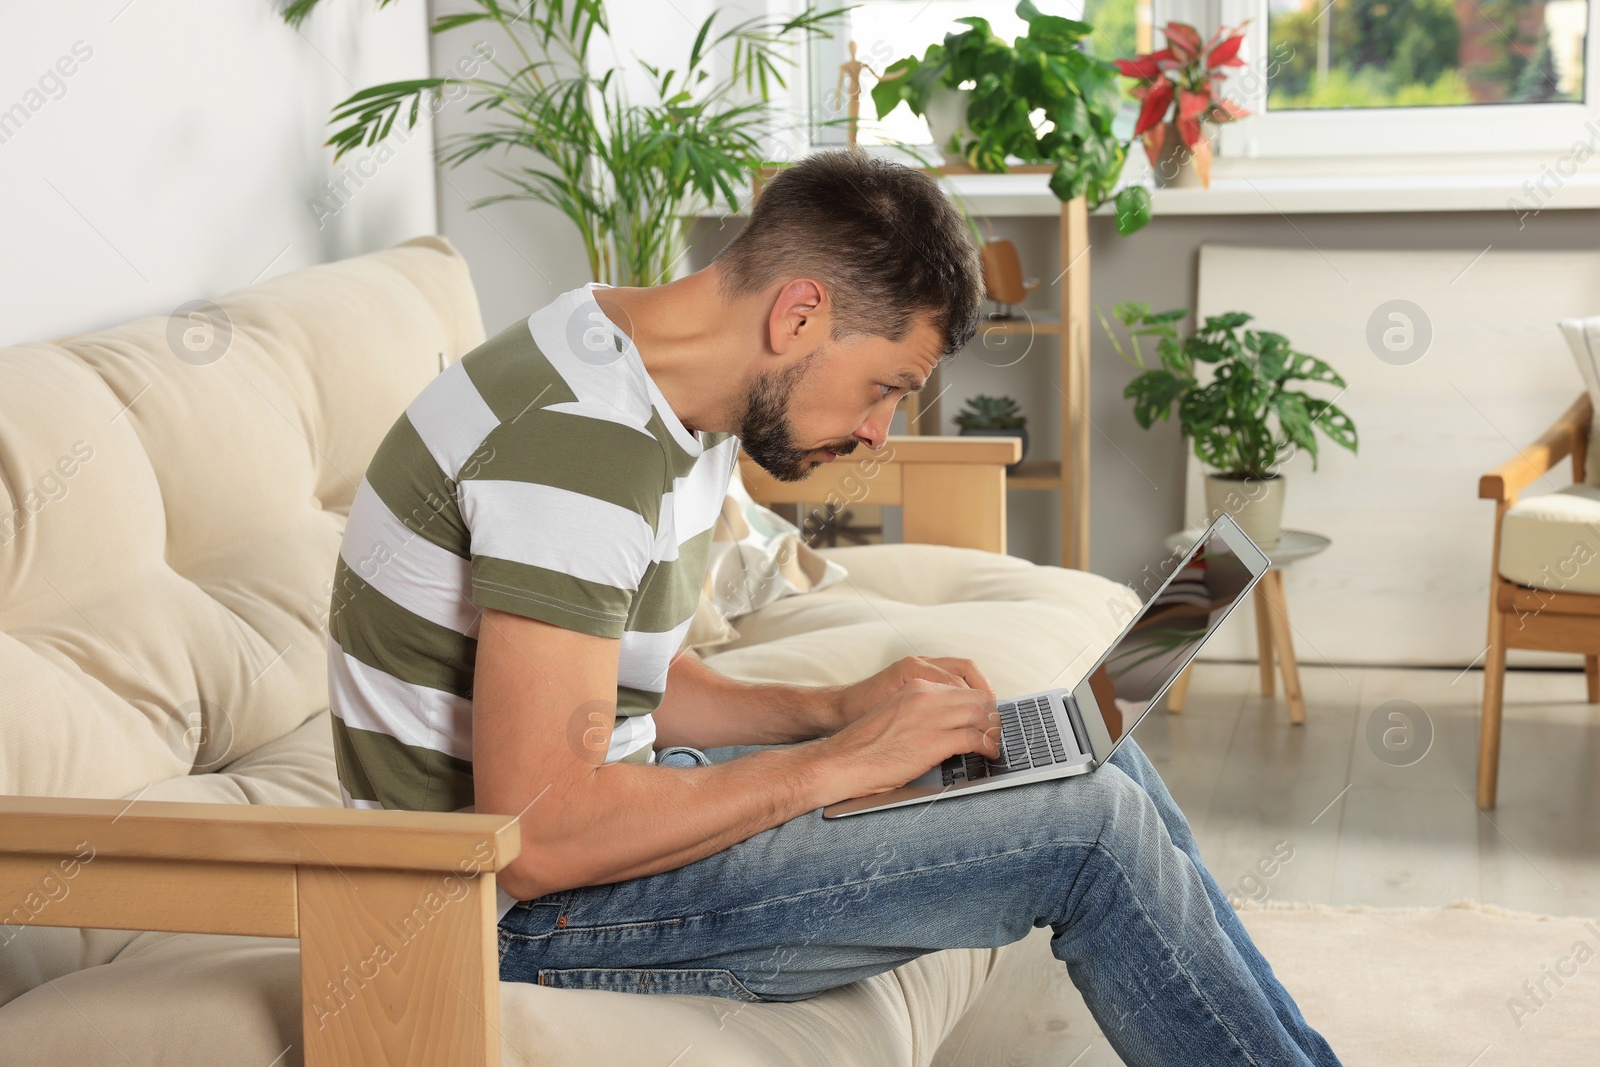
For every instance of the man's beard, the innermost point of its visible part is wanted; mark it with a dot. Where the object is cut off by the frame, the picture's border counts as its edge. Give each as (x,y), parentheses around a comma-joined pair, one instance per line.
(764,429)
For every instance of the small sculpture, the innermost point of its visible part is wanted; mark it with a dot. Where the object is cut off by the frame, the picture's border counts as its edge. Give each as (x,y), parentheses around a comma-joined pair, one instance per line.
(851,70)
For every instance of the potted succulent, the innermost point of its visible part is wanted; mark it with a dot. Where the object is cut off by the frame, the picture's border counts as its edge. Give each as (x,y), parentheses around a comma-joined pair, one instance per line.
(994,416)
(1042,99)
(1180,95)
(1229,418)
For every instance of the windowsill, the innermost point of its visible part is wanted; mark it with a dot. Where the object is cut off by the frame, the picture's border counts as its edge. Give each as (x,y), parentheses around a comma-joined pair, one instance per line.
(1321,186)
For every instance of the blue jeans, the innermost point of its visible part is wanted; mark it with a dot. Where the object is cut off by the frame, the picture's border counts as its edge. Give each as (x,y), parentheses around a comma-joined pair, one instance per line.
(1106,860)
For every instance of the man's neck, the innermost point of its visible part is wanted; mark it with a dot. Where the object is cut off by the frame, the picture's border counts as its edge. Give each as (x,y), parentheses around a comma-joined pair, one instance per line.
(689,343)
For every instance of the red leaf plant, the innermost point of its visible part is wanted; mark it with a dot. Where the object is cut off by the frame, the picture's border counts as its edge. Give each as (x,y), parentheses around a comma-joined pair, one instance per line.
(1182,82)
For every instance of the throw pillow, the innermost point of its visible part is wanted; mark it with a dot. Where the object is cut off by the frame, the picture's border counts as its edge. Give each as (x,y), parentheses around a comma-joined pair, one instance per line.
(756,557)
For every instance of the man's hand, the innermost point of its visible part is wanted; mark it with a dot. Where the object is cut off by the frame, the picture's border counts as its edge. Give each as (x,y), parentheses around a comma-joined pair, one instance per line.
(920,725)
(856,700)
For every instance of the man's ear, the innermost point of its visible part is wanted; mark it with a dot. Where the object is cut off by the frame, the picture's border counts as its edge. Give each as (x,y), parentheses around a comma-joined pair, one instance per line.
(799,313)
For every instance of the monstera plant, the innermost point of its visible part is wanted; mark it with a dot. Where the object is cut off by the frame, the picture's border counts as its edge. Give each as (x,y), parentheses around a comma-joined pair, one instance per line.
(1046,72)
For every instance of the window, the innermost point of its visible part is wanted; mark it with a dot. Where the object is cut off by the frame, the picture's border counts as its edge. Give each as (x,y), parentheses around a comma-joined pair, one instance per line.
(1447,81)
(1406,77)
(1425,53)
(887,30)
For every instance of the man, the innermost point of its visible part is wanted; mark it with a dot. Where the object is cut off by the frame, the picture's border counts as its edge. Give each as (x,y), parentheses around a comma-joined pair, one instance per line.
(522,561)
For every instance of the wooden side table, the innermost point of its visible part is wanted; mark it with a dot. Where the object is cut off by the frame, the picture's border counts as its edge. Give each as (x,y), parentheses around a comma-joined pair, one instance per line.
(1272,619)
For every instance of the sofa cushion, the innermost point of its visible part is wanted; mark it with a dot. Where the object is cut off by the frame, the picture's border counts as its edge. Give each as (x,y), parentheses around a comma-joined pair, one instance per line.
(187,1000)
(296,770)
(169,519)
(1552,541)
(1028,627)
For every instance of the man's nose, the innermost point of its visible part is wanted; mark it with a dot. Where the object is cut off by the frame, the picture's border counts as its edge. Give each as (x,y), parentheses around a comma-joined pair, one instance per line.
(875,431)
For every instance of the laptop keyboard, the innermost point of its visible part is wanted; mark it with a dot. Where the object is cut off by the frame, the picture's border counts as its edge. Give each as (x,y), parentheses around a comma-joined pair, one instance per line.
(1028,739)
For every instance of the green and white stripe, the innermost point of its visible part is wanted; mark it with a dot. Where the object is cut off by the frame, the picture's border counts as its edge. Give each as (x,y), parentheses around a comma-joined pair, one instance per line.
(530,479)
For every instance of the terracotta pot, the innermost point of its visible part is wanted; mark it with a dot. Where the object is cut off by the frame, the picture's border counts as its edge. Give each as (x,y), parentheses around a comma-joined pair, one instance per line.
(1256,504)
(1175,164)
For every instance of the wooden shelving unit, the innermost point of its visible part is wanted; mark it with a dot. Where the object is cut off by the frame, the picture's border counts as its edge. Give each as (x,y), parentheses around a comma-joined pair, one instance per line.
(1068,475)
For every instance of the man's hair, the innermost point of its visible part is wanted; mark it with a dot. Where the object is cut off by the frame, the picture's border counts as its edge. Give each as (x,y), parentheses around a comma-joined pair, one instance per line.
(883,238)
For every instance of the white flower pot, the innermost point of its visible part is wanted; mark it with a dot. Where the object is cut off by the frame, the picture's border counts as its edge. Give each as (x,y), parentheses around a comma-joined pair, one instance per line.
(946,113)
(1255,504)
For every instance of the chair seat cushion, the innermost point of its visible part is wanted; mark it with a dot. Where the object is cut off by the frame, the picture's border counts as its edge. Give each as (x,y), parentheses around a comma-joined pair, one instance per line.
(1553,541)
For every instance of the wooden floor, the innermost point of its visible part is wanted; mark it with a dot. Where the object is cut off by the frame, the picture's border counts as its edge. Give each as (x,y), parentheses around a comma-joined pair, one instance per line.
(1366,831)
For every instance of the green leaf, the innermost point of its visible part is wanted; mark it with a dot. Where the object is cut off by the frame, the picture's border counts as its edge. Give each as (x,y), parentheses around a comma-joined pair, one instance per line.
(1230,320)
(1333,422)
(1056,34)
(1067,182)
(1133,209)
(1301,367)
(1153,394)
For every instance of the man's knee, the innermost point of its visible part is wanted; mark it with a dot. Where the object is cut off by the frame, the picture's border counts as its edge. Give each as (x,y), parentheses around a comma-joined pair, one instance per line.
(1124,818)
(1104,807)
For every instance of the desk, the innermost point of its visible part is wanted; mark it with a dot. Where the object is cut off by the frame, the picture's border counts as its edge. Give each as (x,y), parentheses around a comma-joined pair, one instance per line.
(1272,618)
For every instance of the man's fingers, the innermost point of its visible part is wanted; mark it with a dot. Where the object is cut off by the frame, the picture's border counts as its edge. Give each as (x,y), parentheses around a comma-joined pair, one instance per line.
(985,741)
(933,671)
(967,671)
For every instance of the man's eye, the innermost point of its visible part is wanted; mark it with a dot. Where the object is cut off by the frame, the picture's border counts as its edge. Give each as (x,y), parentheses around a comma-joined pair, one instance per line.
(887,389)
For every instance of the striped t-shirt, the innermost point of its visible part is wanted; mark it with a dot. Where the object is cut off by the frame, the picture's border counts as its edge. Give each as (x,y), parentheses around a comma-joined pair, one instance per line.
(542,474)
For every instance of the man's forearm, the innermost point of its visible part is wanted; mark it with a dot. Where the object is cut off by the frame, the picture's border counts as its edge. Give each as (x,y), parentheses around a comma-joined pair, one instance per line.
(707,709)
(625,820)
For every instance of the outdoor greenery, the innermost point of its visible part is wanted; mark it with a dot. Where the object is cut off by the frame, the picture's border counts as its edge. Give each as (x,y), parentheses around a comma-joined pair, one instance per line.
(1407,53)
(1229,419)
(1042,99)
(626,172)
(990,413)
(1116,28)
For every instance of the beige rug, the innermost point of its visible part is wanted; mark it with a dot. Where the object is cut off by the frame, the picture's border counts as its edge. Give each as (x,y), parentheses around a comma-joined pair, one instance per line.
(1465,985)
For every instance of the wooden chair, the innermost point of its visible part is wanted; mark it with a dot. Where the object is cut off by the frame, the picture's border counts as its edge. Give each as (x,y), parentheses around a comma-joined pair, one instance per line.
(1521,616)
(344,881)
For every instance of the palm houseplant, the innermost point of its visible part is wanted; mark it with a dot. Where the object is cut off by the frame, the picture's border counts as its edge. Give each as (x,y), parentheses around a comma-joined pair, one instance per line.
(1040,99)
(627,172)
(1244,421)
(994,416)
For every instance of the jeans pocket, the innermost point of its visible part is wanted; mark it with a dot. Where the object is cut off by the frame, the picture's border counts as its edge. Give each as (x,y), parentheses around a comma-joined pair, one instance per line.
(690,981)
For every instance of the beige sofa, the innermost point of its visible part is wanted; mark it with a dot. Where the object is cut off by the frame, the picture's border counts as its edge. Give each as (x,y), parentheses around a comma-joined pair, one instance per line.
(174,503)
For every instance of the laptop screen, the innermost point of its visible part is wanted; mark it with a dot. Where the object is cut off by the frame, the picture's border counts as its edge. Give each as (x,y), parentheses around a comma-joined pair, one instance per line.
(1168,630)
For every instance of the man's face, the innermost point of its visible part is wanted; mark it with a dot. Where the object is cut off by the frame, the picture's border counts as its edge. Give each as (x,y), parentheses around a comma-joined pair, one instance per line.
(838,395)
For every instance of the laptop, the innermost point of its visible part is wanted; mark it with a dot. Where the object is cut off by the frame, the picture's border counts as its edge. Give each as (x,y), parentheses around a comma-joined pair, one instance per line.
(1058,733)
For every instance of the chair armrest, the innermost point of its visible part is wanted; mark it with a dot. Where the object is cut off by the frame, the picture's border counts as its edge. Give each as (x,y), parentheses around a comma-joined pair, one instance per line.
(951,490)
(391,908)
(1568,435)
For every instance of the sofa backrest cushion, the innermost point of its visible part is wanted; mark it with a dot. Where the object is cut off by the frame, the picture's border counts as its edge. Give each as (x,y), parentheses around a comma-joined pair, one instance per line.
(172,494)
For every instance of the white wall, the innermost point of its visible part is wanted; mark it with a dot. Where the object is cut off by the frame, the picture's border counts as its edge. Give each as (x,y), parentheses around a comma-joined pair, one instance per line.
(182,156)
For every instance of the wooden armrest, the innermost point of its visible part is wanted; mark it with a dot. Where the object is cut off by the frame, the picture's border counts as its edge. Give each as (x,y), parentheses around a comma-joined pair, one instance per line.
(395,911)
(951,490)
(1567,436)
(258,834)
